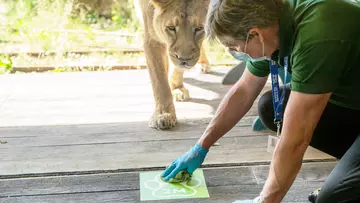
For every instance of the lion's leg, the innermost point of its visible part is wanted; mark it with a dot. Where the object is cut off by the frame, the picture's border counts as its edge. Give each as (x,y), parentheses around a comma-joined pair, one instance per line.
(176,76)
(164,116)
(203,64)
(176,81)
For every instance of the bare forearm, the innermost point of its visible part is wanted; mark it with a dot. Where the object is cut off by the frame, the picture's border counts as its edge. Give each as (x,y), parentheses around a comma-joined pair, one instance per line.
(233,107)
(284,168)
(300,119)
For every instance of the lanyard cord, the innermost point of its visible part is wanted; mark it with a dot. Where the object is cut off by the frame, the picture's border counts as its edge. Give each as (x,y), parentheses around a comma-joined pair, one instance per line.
(278,102)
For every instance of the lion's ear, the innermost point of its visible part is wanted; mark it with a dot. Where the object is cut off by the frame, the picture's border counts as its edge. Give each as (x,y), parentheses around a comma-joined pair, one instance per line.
(160,3)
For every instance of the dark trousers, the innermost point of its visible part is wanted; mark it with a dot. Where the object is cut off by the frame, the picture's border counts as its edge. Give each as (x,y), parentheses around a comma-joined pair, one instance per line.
(337,134)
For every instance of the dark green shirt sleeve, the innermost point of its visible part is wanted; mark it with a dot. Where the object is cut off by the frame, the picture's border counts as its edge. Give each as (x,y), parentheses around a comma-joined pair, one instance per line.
(318,67)
(259,68)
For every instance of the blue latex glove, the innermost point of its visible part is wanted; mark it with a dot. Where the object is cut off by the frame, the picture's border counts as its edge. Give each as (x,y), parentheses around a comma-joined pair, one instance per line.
(189,161)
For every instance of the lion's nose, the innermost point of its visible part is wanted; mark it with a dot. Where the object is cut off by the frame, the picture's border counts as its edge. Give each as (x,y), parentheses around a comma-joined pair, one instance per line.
(183,58)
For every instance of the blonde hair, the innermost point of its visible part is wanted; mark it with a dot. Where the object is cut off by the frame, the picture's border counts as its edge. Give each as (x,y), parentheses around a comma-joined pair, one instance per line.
(234,18)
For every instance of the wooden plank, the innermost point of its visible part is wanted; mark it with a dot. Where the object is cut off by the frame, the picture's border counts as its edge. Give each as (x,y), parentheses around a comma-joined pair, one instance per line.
(114,156)
(118,134)
(225,194)
(218,180)
(21,113)
(104,97)
(314,171)
(186,127)
(107,79)
(37,113)
(111,182)
(215,177)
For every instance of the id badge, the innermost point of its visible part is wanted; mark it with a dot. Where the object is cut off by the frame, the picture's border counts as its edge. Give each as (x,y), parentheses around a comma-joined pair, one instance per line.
(272,142)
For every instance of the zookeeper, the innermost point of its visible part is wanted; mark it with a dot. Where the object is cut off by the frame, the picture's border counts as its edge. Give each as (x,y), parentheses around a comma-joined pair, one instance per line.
(318,42)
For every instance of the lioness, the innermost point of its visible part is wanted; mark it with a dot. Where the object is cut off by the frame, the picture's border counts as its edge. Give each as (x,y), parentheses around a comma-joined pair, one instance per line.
(173,29)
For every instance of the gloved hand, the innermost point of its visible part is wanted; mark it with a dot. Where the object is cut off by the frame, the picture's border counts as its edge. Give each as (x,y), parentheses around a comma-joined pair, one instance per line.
(189,161)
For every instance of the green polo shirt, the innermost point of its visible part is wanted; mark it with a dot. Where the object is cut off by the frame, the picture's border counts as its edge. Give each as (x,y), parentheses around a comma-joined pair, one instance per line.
(322,40)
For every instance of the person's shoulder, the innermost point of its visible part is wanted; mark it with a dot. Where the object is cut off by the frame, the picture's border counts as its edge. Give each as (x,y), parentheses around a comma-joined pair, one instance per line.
(324,4)
(326,20)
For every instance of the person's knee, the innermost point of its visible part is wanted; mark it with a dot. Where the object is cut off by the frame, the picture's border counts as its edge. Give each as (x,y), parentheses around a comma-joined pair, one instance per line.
(324,196)
(332,196)
(265,103)
(343,183)
(266,110)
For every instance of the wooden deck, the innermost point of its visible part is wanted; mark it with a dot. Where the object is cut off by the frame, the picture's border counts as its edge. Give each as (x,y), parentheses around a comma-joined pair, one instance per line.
(84,137)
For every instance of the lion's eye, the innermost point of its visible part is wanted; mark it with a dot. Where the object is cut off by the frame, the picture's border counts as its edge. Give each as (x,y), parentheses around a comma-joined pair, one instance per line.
(171,28)
(198,29)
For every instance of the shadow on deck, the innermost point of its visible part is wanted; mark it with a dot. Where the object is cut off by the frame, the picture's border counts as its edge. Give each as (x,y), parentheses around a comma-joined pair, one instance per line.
(84,137)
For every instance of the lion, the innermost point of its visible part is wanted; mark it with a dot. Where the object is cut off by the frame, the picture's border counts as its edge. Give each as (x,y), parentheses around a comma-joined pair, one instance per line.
(173,43)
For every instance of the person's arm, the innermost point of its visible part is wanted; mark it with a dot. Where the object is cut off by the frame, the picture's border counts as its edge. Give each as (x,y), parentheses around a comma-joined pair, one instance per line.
(302,114)
(233,107)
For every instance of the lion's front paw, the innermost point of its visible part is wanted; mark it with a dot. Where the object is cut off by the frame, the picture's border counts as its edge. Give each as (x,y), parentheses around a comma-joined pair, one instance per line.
(181,94)
(203,67)
(163,121)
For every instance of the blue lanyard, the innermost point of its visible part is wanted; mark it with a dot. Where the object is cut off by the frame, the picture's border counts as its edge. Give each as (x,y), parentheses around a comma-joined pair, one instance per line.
(277,101)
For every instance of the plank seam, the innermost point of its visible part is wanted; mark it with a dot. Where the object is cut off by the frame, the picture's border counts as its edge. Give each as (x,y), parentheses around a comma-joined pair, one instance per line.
(101,191)
(68,193)
(120,142)
(132,170)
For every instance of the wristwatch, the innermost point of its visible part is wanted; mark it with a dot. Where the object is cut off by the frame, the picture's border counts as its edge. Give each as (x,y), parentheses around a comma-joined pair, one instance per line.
(258,200)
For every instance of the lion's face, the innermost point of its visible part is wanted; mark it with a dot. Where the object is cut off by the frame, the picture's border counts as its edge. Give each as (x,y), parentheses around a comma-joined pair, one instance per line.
(180,25)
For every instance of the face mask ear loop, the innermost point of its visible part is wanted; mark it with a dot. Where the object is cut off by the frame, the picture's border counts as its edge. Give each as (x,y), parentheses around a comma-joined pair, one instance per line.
(263,49)
(247,38)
